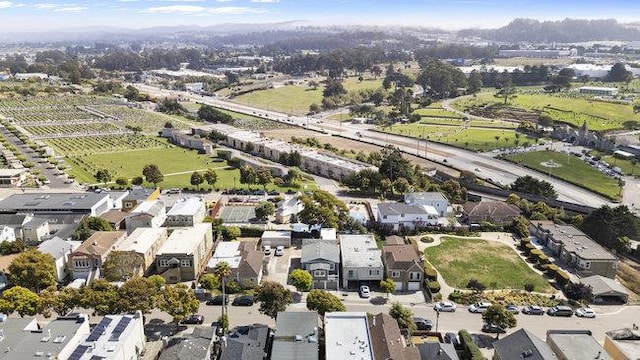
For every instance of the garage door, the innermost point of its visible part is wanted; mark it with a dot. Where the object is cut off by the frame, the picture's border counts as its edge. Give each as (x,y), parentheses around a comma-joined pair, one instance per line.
(398,286)
(414,286)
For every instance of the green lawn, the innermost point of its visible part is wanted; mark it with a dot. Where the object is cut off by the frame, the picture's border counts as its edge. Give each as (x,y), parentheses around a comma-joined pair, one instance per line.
(495,265)
(288,99)
(353,84)
(573,170)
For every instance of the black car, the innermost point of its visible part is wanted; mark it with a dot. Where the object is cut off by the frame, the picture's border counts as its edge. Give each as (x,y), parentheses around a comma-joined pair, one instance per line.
(452,338)
(245,300)
(494,329)
(193,319)
(423,324)
(218,300)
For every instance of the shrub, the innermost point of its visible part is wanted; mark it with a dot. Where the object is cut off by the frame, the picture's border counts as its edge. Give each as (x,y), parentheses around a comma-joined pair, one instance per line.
(430,272)
(529,287)
(469,349)
(543,259)
(426,239)
(524,242)
(562,278)
(535,252)
(232,287)
(434,287)
(476,285)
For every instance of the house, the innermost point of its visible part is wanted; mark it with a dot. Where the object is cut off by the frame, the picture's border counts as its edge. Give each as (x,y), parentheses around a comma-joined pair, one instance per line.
(151,214)
(116,337)
(117,197)
(275,238)
(60,250)
(575,344)
(186,212)
(361,260)
(15,222)
(115,218)
(605,290)
(623,344)
(7,233)
(522,344)
(403,265)
(43,204)
(430,198)
(195,346)
(347,333)
(387,341)
(599,91)
(287,209)
(138,251)
(25,338)
(321,258)
(576,249)
(246,263)
(137,196)
(13,177)
(86,261)
(246,343)
(182,139)
(407,216)
(437,351)
(495,212)
(183,256)
(35,230)
(296,336)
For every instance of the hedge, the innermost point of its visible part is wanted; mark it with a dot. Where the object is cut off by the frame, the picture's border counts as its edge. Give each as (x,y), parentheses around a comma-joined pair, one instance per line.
(535,252)
(434,287)
(430,272)
(524,242)
(562,278)
(470,350)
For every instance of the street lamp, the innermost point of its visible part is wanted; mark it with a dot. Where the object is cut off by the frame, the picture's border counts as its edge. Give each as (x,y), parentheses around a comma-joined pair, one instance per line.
(437,319)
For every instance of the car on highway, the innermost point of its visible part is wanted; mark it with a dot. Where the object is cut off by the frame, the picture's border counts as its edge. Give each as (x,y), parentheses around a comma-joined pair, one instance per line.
(279,250)
(217,300)
(244,300)
(445,306)
(585,312)
(479,307)
(493,329)
(560,311)
(364,291)
(512,309)
(193,320)
(533,310)
(423,324)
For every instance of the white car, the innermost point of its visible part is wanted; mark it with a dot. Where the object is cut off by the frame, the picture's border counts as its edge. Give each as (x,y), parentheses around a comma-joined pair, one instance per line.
(445,306)
(364,291)
(279,250)
(585,312)
(267,249)
(479,307)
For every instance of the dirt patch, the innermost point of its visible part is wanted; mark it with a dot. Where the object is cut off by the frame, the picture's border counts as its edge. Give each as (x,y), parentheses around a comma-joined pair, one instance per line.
(629,276)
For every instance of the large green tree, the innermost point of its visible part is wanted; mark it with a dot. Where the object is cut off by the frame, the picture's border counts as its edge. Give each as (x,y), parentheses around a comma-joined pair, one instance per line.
(301,279)
(497,315)
(210,176)
(121,265)
(606,224)
(321,207)
(393,165)
(101,296)
(103,176)
(211,114)
(403,316)
(137,293)
(619,73)
(33,270)
(88,225)
(21,300)
(273,298)
(530,185)
(61,302)
(178,301)
(439,79)
(152,174)
(265,209)
(324,302)
(196,179)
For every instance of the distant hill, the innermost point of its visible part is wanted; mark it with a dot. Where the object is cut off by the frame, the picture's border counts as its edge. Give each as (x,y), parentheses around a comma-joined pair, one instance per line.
(566,31)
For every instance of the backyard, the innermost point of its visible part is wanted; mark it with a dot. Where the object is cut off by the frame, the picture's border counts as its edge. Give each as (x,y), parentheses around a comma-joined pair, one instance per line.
(495,265)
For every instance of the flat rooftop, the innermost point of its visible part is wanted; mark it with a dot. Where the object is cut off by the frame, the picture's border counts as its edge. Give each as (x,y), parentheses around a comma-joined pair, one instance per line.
(185,240)
(227,251)
(276,234)
(57,202)
(142,239)
(347,336)
(187,206)
(577,345)
(360,251)
(575,241)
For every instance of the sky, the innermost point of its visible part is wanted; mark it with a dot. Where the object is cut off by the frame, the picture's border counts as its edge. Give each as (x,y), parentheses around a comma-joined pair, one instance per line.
(37,15)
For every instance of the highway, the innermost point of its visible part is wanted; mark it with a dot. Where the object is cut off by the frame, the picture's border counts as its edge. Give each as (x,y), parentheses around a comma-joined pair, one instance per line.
(482,164)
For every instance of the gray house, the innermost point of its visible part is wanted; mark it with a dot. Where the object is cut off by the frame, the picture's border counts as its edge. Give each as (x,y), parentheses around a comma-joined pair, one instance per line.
(296,336)
(522,344)
(322,259)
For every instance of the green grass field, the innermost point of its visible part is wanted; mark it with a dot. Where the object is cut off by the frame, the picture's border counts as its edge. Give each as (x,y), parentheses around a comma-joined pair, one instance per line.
(598,115)
(288,99)
(573,170)
(495,265)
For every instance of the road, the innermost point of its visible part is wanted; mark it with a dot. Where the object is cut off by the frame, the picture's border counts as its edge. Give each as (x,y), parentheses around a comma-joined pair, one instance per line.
(483,164)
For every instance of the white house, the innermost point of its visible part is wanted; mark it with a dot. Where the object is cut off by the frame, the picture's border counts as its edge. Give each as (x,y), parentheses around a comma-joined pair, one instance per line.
(275,238)
(151,214)
(287,208)
(60,250)
(361,260)
(7,233)
(408,216)
(431,198)
(186,212)
(116,337)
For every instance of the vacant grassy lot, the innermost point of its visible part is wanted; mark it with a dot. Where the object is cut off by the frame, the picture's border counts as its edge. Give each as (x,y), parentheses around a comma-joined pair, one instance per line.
(573,170)
(495,265)
(290,99)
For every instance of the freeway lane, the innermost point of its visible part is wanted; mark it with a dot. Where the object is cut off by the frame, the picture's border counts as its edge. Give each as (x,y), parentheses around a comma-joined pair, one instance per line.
(483,165)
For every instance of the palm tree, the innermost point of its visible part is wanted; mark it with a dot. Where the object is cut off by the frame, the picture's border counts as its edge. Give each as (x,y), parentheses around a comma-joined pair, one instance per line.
(222,270)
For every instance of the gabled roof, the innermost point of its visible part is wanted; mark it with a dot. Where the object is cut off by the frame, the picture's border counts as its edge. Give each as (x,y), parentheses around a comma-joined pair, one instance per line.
(400,256)
(152,208)
(392,209)
(313,249)
(195,346)
(246,343)
(100,243)
(394,240)
(521,342)
(251,263)
(490,209)
(114,216)
(189,206)
(13,219)
(57,247)
(139,194)
(387,341)
(603,285)
(437,351)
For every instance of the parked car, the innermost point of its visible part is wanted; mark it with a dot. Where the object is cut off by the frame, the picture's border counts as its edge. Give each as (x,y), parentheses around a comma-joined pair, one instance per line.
(479,307)
(445,306)
(267,249)
(364,291)
(218,300)
(533,310)
(585,312)
(560,311)
(452,338)
(244,300)
(193,319)
(512,309)
(279,250)
(493,329)
(423,324)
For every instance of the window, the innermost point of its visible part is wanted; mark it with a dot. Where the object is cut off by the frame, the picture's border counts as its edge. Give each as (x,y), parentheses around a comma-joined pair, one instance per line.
(384,217)
(395,274)
(414,275)
(332,266)
(185,263)
(83,263)
(351,274)
(374,272)
(319,273)
(587,264)
(163,263)
(401,215)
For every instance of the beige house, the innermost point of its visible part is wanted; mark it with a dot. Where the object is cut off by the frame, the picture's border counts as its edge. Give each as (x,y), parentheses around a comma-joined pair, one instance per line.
(86,261)
(403,266)
(138,251)
(148,214)
(186,212)
(185,253)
